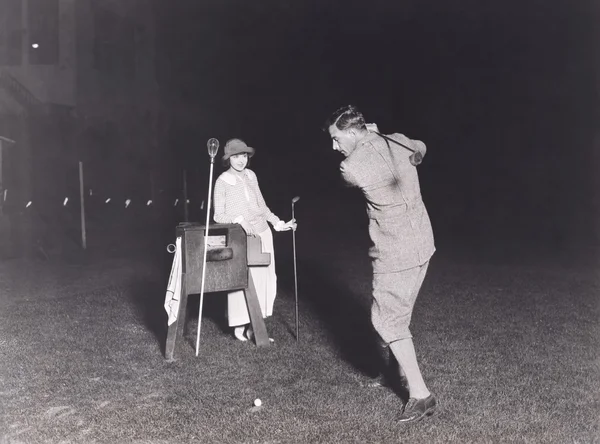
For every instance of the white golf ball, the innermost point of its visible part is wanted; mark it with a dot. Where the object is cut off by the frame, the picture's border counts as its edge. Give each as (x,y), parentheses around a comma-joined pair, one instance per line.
(257,402)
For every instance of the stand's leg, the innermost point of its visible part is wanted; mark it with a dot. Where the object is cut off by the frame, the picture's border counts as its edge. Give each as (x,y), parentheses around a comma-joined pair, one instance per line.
(182,307)
(258,323)
(171,337)
(177,327)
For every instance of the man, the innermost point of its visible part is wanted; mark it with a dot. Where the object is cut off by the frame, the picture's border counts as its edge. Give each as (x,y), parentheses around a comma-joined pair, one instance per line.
(401,233)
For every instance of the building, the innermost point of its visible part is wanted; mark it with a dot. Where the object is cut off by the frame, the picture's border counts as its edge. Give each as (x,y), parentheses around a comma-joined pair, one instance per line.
(77,82)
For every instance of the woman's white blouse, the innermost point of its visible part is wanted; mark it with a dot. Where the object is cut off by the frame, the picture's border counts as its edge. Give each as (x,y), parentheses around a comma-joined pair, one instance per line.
(238,197)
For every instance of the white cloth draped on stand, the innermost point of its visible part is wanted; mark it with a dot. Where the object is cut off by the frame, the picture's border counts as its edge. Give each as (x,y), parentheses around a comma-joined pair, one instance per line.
(174,287)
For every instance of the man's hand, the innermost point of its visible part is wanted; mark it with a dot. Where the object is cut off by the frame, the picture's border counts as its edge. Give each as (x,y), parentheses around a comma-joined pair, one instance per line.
(372,127)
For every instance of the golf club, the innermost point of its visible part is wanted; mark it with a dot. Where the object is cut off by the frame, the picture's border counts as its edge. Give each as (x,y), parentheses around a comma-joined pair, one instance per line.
(415,158)
(213,147)
(294,200)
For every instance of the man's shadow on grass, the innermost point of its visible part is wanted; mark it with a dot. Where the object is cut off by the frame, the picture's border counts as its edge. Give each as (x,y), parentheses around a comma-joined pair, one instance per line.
(339,309)
(344,312)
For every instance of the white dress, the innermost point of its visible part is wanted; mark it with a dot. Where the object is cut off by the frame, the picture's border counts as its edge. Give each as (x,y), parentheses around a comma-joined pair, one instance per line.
(237,195)
(265,282)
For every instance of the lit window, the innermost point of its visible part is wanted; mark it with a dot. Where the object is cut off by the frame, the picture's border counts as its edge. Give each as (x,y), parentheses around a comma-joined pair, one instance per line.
(42,23)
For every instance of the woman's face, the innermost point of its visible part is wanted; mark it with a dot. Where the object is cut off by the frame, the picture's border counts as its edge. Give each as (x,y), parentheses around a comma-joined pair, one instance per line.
(239,161)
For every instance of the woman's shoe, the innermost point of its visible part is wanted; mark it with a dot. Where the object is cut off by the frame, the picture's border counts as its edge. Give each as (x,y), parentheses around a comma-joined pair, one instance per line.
(250,334)
(238,332)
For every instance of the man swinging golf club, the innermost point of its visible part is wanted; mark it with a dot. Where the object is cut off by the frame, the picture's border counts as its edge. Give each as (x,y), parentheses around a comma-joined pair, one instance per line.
(384,168)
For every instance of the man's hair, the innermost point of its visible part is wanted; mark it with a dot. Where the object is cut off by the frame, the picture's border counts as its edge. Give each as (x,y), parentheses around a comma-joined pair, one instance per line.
(345,118)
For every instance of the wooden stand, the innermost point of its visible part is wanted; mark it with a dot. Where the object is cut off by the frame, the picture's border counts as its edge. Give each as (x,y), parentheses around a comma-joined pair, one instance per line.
(229,254)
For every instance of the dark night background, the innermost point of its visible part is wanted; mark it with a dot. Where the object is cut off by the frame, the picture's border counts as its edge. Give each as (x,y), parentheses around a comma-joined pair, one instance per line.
(121,97)
(504,94)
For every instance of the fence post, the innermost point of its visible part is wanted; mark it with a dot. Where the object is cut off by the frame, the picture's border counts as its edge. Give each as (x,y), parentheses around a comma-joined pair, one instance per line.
(2,146)
(185,198)
(152,186)
(1,188)
(82,206)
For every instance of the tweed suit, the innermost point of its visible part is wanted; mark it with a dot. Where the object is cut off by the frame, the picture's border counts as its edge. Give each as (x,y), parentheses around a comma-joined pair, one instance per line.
(399,227)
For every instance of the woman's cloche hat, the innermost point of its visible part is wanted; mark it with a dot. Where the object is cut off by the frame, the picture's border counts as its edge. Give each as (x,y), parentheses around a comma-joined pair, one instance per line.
(237,146)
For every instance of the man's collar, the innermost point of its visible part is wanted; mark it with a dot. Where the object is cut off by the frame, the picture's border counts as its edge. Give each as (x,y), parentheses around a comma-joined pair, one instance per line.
(368,138)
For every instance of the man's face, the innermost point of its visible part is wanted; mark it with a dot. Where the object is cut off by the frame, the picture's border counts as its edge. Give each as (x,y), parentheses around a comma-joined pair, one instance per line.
(239,161)
(343,141)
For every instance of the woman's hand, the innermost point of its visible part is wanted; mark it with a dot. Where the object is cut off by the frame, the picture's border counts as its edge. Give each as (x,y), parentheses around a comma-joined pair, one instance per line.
(247,228)
(286,226)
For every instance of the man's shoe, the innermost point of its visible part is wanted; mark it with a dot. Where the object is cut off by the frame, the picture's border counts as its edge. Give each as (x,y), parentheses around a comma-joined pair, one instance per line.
(417,409)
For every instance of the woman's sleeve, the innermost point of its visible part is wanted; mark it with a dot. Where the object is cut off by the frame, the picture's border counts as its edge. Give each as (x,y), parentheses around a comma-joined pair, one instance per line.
(220,216)
(262,204)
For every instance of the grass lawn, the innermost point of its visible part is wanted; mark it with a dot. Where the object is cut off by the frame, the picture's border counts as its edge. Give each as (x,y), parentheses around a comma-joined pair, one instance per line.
(508,343)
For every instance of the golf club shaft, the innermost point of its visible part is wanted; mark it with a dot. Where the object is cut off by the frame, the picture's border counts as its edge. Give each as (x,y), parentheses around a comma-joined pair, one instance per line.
(395,141)
(295,274)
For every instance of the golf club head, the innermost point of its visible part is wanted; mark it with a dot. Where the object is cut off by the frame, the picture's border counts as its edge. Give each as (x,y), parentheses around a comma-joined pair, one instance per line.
(295,199)
(416,158)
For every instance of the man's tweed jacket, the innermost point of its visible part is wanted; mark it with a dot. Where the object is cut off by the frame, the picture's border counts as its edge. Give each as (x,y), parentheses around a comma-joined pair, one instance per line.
(399,225)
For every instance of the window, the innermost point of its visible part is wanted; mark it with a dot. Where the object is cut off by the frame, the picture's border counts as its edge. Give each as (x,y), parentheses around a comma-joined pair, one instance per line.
(114,47)
(11,32)
(105,33)
(42,24)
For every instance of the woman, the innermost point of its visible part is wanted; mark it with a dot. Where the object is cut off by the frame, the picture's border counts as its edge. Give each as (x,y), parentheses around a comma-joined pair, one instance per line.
(238,199)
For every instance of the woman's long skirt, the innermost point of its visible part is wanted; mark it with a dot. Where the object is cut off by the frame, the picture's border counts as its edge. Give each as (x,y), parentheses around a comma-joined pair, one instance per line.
(265,282)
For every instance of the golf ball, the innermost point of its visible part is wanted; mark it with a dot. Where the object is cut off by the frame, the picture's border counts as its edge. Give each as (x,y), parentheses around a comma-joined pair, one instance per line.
(257,402)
